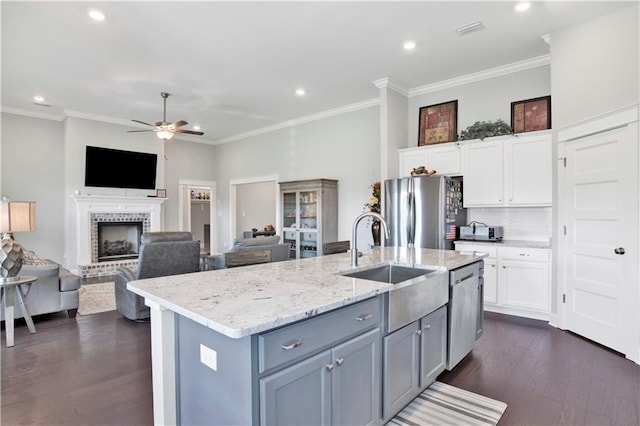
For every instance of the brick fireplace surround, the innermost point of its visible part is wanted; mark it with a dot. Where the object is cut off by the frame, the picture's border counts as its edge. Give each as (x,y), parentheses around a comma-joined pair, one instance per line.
(91,209)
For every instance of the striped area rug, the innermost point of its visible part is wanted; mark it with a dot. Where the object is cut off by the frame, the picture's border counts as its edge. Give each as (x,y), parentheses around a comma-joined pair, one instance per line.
(441,404)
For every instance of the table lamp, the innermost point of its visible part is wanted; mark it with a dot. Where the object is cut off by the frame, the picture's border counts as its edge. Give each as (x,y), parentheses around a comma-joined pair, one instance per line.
(15,216)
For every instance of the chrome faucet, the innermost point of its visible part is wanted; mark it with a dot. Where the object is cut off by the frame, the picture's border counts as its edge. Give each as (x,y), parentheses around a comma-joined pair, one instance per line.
(354,237)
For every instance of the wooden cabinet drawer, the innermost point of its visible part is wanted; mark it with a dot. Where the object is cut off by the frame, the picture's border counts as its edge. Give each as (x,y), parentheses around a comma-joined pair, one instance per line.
(304,338)
(492,251)
(527,254)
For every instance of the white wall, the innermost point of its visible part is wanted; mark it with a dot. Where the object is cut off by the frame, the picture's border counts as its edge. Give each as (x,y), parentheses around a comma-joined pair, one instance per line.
(486,100)
(595,67)
(33,170)
(344,147)
(255,206)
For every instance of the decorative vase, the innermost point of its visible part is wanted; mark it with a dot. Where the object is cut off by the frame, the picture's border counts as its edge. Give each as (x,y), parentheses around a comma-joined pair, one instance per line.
(375,231)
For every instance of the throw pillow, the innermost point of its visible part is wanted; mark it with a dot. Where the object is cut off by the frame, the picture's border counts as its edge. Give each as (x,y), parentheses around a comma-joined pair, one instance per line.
(30,258)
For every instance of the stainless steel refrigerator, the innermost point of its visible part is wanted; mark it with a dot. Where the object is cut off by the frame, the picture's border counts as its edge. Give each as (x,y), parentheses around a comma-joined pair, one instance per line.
(424,211)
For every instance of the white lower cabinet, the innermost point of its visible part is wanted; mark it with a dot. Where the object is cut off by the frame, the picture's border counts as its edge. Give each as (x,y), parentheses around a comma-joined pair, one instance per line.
(517,280)
(414,356)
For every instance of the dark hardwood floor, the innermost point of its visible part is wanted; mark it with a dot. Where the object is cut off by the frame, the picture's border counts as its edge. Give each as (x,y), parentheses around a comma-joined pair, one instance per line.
(96,370)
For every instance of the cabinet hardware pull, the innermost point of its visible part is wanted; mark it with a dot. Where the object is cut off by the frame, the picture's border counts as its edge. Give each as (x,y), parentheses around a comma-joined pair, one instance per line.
(619,250)
(329,366)
(419,332)
(364,317)
(524,254)
(340,361)
(293,345)
(504,267)
(428,326)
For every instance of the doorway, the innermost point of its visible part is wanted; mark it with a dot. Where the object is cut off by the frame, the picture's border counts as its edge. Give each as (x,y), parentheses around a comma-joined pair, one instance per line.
(197,212)
(598,244)
(245,213)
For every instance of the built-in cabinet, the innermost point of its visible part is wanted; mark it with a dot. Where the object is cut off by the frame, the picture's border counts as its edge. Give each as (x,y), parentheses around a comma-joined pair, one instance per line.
(414,356)
(505,171)
(517,280)
(515,171)
(445,159)
(309,215)
(338,386)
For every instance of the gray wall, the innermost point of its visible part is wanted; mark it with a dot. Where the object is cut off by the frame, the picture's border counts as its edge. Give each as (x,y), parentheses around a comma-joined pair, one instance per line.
(486,100)
(344,147)
(255,206)
(595,67)
(32,169)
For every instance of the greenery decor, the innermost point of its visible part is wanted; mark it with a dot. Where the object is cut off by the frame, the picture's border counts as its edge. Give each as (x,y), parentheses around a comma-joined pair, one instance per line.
(486,129)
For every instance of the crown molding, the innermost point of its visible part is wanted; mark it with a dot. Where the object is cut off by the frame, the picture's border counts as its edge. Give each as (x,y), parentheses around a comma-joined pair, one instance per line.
(33,114)
(386,83)
(527,64)
(291,123)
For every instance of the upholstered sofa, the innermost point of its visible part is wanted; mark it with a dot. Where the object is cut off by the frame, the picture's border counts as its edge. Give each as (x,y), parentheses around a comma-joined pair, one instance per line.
(55,290)
(279,251)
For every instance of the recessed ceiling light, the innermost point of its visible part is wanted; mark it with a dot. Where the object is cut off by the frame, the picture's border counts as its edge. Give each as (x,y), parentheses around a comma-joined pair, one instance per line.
(38,99)
(196,127)
(301,92)
(96,15)
(521,7)
(409,45)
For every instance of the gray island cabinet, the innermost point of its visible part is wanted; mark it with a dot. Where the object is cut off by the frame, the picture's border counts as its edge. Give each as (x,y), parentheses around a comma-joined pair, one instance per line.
(289,342)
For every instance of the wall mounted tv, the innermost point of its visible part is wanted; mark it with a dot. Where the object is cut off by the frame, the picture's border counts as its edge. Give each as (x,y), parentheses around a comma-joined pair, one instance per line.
(113,168)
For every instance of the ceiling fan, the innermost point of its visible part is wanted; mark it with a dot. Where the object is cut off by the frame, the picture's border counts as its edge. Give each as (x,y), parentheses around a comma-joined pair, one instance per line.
(163,129)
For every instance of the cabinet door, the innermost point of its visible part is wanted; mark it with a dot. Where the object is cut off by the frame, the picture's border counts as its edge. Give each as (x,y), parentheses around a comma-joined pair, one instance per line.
(410,159)
(298,395)
(356,383)
(445,160)
(490,280)
(484,174)
(524,285)
(401,369)
(433,346)
(528,162)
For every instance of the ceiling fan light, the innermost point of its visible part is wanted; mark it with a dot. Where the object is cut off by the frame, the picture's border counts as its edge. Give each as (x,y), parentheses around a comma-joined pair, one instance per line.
(165,135)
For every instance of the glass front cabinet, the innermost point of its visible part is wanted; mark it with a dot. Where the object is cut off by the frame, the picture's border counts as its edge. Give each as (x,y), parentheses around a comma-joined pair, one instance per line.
(309,215)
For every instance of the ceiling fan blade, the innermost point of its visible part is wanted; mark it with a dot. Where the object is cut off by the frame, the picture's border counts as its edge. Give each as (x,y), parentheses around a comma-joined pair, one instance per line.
(177,124)
(142,122)
(188,132)
(135,131)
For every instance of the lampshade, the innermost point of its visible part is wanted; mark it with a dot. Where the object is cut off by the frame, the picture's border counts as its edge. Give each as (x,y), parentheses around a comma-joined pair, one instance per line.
(165,135)
(15,216)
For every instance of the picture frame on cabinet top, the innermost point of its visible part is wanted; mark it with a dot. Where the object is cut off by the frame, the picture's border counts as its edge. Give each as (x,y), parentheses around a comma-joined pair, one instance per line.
(531,115)
(438,123)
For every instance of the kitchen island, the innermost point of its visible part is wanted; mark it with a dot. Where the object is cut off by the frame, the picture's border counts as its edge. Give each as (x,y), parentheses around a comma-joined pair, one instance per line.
(217,336)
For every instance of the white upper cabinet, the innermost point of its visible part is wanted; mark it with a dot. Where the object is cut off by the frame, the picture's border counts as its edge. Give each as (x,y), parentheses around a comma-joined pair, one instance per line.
(512,171)
(445,159)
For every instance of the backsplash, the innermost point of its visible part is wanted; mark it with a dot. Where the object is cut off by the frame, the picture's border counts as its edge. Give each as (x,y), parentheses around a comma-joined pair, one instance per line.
(524,223)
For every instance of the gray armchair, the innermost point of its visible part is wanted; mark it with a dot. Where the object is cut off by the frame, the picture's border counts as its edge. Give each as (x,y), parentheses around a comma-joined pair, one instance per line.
(161,254)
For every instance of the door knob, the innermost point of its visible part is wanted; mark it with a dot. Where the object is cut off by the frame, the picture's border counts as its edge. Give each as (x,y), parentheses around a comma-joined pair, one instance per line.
(619,250)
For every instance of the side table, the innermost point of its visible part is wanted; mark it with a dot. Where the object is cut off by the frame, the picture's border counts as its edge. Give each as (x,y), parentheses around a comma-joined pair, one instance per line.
(21,286)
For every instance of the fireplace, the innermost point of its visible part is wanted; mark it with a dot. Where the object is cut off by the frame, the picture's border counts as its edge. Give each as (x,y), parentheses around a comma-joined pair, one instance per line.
(118,240)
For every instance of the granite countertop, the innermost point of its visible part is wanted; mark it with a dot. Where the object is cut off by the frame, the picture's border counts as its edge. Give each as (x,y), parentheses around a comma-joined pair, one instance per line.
(243,301)
(510,243)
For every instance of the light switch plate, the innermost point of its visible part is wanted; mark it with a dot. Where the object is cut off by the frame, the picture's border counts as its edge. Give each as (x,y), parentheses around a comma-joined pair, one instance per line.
(209,357)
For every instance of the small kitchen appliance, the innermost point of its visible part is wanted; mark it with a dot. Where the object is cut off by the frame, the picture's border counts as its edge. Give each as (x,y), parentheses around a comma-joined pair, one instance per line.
(480,232)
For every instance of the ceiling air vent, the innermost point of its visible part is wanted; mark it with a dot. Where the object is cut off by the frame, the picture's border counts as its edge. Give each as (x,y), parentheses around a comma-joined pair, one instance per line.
(470,27)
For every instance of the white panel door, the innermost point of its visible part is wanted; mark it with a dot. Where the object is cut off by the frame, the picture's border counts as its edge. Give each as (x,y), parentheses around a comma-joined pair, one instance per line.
(484,174)
(529,171)
(445,160)
(410,159)
(600,187)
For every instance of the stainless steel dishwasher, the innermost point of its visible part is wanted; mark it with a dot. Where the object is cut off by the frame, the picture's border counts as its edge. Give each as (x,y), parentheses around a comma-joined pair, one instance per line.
(464,306)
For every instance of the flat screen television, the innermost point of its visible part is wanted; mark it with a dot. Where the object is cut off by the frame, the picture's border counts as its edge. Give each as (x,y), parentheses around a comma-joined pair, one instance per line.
(114,168)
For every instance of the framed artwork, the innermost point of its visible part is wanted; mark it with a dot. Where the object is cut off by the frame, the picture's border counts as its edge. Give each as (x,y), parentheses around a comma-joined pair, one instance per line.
(161,193)
(438,123)
(531,115)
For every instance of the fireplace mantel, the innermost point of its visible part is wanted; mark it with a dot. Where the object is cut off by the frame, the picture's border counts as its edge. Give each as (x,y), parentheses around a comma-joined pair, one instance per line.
(86,205)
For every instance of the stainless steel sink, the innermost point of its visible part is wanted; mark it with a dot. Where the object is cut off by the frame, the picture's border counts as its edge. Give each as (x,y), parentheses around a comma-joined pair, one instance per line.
(418,292)
(393,274)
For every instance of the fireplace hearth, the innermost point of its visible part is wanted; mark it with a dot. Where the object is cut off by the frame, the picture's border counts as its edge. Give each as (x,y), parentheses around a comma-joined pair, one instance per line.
(118,240)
